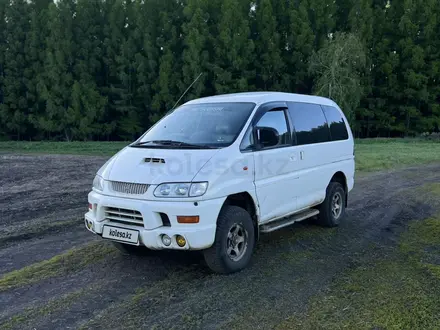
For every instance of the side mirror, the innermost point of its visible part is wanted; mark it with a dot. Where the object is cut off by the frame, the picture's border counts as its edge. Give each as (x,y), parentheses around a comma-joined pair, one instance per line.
(266,136)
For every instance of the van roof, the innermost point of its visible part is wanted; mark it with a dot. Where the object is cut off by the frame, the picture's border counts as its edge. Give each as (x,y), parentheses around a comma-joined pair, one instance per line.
(263,97)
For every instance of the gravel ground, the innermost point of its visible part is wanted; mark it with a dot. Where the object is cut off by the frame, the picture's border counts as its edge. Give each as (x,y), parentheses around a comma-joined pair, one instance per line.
(42,202)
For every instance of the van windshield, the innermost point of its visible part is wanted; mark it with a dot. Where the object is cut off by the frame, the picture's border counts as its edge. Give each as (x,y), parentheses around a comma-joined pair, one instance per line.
(208,125)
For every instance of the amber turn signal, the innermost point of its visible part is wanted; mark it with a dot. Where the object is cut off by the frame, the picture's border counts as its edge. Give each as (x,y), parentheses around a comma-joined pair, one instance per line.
(188,219)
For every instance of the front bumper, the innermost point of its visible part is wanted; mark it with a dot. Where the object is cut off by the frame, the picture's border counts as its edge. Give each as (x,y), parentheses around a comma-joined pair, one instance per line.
(198,236)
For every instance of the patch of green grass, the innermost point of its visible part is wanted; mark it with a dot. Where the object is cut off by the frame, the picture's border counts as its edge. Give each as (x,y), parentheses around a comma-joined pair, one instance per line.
(391,294)
(25,318)
(400,291)
(70,261)
(133,309)
(95,148)
(372,155)
(421,243)
(433,269)
(431,188)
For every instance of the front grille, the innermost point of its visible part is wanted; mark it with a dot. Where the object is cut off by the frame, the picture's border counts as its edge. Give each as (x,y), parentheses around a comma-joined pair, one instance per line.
(129,188)
(131,217)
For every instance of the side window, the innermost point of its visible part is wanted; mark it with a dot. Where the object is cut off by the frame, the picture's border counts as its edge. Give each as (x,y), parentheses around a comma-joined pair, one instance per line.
(277,119)
(338,130)
(309,123)
(273,119)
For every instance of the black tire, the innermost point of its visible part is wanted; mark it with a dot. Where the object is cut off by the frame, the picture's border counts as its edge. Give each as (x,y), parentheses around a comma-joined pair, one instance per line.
(217,256)
(326,215)
(131,249)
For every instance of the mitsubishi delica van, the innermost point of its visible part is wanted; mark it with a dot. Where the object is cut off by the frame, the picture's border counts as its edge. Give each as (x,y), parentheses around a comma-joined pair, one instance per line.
(216,173)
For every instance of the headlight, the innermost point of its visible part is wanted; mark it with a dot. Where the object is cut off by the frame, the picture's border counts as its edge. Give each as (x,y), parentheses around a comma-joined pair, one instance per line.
(98,183)
(181,189)
(198,189)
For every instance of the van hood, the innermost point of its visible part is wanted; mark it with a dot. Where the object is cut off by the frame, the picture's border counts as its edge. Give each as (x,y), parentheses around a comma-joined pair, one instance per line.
(155,166)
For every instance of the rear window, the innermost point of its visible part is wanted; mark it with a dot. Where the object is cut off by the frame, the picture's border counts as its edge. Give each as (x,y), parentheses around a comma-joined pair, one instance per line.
(309,123)
(338,129)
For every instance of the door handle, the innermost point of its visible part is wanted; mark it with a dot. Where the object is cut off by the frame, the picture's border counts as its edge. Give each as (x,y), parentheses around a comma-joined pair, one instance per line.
(301,155)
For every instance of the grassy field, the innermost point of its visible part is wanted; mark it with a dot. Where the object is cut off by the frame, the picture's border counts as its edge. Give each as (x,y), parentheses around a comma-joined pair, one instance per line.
(95,148)
(399,291)
(74,259)
(377,154)
(371,154)
(398,288)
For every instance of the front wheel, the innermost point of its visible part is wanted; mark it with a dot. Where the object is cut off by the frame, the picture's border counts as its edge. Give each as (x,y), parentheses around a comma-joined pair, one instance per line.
(332,210)
(234,241)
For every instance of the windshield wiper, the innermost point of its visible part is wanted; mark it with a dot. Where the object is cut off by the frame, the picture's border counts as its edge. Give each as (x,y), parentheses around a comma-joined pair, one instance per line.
(174,144)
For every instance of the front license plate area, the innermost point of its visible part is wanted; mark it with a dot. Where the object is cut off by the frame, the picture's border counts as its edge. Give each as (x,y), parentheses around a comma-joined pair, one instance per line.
(121,234)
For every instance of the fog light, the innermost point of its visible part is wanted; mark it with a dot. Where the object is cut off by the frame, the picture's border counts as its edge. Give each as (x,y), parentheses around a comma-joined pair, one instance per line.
(89,224)
(181,241)
(166,240)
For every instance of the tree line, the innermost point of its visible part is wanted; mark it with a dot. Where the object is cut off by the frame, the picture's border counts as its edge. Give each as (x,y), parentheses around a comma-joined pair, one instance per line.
(108,69)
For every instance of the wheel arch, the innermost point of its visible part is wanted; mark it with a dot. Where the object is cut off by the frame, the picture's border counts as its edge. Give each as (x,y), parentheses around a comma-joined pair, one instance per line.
(341,178)
(245,201)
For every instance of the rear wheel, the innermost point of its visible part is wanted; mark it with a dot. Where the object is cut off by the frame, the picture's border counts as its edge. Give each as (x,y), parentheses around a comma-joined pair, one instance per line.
(332,210)
(131,249)
(234,241)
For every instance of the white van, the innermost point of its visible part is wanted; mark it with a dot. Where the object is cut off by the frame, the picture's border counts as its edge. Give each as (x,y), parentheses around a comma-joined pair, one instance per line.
(217,172)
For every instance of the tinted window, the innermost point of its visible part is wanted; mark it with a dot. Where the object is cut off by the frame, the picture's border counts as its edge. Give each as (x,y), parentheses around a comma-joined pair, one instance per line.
(276,119)
(309,122)
(338,130)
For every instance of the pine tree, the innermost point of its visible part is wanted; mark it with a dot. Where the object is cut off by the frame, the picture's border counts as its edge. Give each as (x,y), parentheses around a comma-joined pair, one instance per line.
(282,13)
(300,43)
(147,58)
(15,108)
(343,10)
(269,63)
(59,66)
(196,54)
(323,20)
(234,49)
(361,20)
(124,100)
(431,117)
(417,27)
(384,71)
(169,45)
(88,105)
(113,34)
(35,56)
(3,4)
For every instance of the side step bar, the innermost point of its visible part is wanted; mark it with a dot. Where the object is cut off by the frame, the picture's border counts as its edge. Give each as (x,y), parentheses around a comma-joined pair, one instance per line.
(286,221)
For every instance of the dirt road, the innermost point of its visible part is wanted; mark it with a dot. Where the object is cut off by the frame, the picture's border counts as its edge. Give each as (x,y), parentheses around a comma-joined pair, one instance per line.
(43,199)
